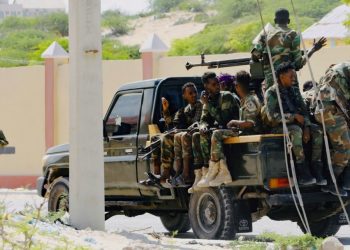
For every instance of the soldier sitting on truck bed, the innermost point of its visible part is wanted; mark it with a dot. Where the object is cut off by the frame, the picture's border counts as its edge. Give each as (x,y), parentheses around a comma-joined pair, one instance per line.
(220,108)
(249,114)
(298,123)
(227,83)
(178,145)
(335,96)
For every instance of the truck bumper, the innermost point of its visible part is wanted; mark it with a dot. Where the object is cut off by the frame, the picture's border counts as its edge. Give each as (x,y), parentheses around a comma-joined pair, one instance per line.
(40,185)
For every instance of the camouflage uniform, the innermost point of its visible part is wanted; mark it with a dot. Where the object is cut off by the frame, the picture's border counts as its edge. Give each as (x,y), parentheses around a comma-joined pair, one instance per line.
(335,122)
(217,113)
(3,140)
(175,146)
(250,111)
(293,103)
(284,45)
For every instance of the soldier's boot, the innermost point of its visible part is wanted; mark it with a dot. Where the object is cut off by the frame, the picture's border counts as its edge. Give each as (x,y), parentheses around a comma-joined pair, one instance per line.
(303,175)
(198,177)
(205,171)
(330,188)
(223,177)
(183,179)
(317,169)
(346,178)
(165,175)
(212,172)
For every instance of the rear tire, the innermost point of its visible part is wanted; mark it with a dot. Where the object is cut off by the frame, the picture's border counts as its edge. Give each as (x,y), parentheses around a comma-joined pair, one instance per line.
(323,228)
(59,195)
(176,222)
(211,213)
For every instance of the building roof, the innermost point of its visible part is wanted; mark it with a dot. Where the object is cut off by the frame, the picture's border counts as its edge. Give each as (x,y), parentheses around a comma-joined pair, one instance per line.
(41,4)
(153,44)
(331,25)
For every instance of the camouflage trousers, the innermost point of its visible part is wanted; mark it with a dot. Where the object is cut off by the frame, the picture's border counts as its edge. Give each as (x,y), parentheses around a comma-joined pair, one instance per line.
(316,142)
(199,159)
(339,136)
(296,135)
(213,144)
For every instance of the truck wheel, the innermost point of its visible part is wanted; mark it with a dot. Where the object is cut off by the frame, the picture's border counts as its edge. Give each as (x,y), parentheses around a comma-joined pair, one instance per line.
(176,222)
(323,228)
(58,197)
(211,214)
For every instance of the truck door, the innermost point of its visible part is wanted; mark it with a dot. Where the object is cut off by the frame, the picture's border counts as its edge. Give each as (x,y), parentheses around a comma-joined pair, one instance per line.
(121,147)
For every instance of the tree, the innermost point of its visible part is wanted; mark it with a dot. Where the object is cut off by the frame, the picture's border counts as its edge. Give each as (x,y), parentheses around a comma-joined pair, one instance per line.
(55,22)
(116,22)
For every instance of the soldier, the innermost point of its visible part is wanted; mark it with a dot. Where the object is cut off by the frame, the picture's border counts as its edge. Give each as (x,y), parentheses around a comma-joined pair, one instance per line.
(3,141)
(284,44)
(249,116)
(178,146)
(221,107)
(298,123)
(334,93)
(227,83)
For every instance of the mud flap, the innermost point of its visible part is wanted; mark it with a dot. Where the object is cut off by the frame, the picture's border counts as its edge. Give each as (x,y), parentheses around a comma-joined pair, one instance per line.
(242,217)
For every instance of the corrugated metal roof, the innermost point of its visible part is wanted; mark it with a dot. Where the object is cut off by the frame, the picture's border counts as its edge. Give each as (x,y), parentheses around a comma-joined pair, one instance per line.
(331,25)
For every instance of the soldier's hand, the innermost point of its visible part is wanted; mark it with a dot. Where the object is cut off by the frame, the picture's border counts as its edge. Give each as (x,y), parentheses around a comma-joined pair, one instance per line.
(204,97)
(306,135)
(232,124)
(319,44)
(165,104)
(203,130)
(299,118)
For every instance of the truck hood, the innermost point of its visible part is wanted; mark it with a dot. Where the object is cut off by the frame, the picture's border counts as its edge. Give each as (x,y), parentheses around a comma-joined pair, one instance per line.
(58,149)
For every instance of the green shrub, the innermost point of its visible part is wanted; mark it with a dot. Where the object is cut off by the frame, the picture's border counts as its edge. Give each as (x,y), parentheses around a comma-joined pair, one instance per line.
(116,22)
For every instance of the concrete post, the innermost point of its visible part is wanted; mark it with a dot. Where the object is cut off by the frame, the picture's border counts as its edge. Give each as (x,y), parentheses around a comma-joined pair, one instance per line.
(86,173)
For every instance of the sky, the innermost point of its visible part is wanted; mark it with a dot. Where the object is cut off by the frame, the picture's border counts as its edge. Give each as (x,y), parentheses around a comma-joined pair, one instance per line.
(126,6)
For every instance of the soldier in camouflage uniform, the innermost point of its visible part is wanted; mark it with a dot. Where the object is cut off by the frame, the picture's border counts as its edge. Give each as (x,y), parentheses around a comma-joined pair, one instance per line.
(249,114)
(178,146)
(220,108)
(284,44)
(334,94)
(3,141)
(298,123)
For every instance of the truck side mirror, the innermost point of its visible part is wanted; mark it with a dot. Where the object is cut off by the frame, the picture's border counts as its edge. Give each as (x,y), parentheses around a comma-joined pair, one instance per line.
(112,125)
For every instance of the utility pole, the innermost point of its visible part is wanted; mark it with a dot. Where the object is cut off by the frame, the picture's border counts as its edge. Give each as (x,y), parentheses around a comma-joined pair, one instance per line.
(86,172)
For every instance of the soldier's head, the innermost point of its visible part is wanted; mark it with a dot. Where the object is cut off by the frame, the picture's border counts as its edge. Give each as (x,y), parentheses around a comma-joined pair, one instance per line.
(226,82)
(210,83)
(282,16)
(189,92)
(242,83)
(285,74)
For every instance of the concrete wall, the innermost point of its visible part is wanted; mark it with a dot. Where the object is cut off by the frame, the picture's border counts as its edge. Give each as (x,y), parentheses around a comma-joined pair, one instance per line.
(22,102)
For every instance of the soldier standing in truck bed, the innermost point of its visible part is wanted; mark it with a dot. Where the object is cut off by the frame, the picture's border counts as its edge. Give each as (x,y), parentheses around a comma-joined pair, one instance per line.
(284,44)
(335,96)
(178,145)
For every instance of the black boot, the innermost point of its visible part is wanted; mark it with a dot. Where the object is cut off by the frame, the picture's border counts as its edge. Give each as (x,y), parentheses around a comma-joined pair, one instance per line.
(346,178)
(303,175)
(317,170)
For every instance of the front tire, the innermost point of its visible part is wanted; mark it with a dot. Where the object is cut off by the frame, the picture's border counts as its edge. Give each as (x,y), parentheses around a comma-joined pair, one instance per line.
(59,196)
(211,213)
(176,222)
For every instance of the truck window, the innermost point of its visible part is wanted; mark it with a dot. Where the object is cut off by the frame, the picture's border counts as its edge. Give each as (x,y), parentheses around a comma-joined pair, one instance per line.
(127,107)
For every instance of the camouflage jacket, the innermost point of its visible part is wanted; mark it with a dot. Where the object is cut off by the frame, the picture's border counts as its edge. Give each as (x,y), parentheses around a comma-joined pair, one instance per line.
(284,45)
(292,103)
(220,110)
(184,117)
(250,111)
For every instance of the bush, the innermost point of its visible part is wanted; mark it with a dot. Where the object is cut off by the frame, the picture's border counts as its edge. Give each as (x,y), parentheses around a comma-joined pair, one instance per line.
(56,23)
(114,50)
(164,5)
(116,22)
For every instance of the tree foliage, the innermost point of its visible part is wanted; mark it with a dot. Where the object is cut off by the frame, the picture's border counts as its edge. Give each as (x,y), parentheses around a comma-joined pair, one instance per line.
(116,22)
(56,23)
(161,6)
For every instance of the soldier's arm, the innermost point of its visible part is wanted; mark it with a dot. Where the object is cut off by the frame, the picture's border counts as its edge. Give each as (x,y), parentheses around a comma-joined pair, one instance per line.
(229,108)
(258,50)
(167,118)
(302,107)
(179,119)
(295,53)
(205,117)
(198,114)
